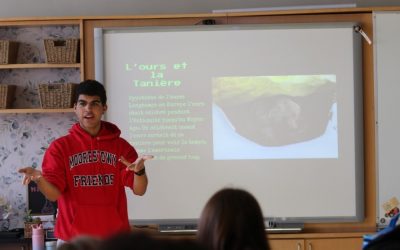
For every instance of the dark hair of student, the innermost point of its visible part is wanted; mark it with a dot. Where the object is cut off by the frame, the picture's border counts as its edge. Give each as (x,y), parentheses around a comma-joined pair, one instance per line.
(91,88)
(232,220)
(145,241)
(83,242)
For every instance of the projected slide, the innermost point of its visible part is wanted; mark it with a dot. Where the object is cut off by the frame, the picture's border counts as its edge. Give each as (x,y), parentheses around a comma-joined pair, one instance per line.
(258,117)
(275,117)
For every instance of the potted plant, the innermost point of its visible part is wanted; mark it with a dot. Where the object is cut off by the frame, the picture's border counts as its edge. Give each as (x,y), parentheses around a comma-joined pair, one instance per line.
(29,221)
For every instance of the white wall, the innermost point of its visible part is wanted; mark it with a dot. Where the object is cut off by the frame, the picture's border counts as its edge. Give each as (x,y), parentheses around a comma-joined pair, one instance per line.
(387,89)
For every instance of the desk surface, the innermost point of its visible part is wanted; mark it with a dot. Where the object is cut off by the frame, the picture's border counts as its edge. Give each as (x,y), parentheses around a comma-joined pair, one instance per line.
(13,236)
(14,240)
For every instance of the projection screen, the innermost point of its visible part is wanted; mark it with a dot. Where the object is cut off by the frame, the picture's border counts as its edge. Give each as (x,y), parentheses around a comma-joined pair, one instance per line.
(273,109)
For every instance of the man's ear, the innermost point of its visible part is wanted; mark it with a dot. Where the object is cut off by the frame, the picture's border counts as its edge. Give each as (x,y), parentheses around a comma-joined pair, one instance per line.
(105,108)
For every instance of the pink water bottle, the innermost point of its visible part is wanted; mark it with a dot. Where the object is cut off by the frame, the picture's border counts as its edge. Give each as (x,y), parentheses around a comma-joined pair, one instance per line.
(37,237)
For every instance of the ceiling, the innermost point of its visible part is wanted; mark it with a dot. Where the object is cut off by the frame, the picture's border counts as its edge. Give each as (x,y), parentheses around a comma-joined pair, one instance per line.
(32,8)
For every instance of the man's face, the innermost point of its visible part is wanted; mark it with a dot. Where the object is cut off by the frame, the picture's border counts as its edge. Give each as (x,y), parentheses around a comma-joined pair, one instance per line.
(89,111)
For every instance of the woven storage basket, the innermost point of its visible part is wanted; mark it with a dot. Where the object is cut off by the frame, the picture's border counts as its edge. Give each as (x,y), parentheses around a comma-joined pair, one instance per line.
(58,95)
(7,94)
(8,51)
(62,51)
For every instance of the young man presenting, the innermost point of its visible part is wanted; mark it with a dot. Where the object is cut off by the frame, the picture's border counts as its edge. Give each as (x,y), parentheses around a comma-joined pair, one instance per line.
(87,171)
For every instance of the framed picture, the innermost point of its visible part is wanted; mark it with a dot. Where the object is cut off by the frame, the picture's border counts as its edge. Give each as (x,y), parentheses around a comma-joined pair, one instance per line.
(37,203)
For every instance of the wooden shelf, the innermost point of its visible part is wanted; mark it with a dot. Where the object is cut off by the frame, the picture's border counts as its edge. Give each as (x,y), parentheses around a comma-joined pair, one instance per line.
(36,110)
(39,66)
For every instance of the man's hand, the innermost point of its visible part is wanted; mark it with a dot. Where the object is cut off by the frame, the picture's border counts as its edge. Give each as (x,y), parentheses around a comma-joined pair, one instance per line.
(30,174)
(140,180)
(138,164)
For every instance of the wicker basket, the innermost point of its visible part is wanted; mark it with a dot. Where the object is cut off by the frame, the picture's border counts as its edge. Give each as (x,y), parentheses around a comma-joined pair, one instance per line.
(58,95)
(8,51)
(7,95)
(62,51)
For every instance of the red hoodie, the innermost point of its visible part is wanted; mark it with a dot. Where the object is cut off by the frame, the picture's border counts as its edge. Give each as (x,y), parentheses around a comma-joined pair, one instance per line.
(91,180)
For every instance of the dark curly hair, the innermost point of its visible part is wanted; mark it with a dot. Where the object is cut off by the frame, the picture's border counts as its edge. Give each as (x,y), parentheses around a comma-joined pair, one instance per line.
(91,88)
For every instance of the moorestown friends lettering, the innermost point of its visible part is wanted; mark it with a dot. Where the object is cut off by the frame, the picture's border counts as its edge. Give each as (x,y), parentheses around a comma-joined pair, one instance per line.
(93,180)
(92,156)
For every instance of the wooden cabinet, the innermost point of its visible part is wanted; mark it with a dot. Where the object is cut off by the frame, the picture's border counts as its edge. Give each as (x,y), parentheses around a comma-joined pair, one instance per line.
(290,241)
(320,241)
(31,67)
(334,244)
(287,244)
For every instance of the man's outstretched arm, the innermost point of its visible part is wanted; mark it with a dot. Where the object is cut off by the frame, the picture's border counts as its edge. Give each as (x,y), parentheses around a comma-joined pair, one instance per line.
(48,190)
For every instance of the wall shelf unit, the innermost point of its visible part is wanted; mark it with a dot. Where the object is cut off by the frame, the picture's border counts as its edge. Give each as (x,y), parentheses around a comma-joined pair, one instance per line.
(39,66)
(36,110)
(31,67)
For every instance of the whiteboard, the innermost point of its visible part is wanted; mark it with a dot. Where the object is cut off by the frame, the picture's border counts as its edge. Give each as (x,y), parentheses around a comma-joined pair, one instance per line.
(387,94)
(202,100)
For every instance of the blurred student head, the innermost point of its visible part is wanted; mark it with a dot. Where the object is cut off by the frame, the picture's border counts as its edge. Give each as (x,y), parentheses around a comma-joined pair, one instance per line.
(81,243)
(387,241)
(232,220)
(145,241)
